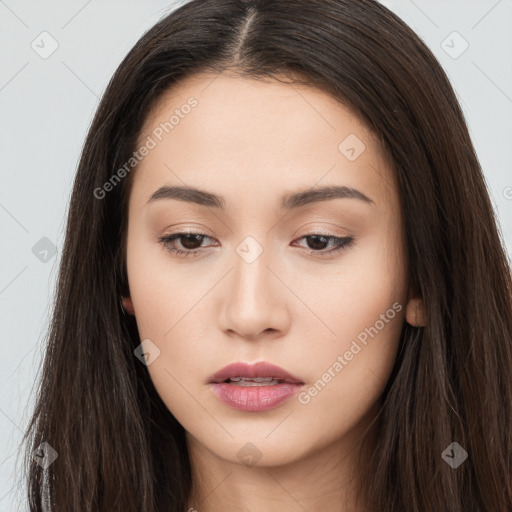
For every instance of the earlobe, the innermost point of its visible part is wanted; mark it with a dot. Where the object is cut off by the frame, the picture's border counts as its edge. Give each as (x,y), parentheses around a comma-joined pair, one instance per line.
(415,313)
(128,305)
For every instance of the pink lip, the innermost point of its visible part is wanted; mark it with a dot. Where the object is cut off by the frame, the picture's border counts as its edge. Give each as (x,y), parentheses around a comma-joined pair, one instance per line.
(254,398)
(260,369)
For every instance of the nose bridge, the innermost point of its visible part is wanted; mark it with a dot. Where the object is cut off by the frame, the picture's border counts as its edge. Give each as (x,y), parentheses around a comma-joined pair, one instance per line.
(251,275)
(252,301)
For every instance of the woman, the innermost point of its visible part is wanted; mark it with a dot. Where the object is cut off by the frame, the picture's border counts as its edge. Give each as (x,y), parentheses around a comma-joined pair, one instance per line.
(282,283)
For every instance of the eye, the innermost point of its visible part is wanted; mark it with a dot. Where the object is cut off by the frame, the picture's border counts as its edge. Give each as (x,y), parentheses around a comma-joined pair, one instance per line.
(318,242)
(191,243)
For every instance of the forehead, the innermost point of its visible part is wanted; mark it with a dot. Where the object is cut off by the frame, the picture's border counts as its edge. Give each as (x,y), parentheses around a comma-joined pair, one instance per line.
(257,138)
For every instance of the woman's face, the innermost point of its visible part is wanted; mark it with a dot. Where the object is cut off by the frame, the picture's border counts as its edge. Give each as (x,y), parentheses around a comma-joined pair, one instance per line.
(284,272)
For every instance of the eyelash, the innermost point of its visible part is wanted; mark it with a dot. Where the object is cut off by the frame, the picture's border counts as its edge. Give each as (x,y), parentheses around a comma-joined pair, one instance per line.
(343,243)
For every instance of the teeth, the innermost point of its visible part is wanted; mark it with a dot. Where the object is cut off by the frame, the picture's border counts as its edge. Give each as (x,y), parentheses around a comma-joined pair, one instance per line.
(255,381)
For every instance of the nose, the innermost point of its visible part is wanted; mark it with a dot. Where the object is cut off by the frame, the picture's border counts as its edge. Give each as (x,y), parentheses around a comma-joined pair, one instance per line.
(253,299)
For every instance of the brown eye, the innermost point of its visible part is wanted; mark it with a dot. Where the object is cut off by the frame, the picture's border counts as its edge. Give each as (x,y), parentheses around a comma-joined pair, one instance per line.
(318,242)
(190,242)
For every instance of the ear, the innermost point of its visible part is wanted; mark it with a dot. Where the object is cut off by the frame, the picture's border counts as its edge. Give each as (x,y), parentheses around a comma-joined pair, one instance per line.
(128,305)
(415,311)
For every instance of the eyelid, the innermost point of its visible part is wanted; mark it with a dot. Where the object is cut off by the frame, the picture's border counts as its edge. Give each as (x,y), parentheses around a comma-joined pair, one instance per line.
(341,243)
(316,229)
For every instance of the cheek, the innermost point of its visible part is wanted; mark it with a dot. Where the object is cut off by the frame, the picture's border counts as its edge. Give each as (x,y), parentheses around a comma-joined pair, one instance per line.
(156,292)
(351,295)
(169,302)
(346,377)
(363,304)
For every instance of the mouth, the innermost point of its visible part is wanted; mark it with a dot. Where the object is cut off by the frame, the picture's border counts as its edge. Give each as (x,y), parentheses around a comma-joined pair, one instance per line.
(254,388)
(257,374)
(256,381)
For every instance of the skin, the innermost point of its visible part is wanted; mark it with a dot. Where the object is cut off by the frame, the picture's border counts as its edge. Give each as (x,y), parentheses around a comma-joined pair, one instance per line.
(252,142)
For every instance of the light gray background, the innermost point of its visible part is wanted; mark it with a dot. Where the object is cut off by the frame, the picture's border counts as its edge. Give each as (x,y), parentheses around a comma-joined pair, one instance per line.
(48,103)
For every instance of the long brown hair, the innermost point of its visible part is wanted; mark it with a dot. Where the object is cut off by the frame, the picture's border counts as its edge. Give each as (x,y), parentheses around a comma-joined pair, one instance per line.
(119,448)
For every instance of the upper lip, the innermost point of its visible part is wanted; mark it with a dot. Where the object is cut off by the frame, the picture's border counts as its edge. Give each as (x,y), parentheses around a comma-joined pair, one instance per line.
(260,369)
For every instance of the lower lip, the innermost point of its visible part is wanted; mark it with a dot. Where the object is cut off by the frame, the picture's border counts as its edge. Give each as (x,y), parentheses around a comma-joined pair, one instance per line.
(254,398)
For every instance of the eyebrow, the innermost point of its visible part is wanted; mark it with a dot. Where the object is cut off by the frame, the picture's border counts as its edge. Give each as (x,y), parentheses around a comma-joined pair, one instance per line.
(288,201)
